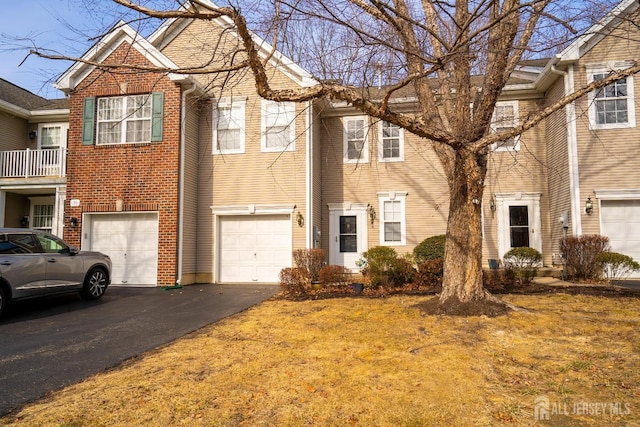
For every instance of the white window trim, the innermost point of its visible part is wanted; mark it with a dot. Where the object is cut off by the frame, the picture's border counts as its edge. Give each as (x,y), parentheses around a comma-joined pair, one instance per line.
(381,157)
(230,103)
(345,142)
(388,196)
(516,139)
(64,127)
(123,120)
(593,69)
(290,111)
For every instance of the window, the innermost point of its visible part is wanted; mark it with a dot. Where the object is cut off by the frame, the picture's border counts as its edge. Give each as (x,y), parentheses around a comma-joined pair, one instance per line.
(505,117)
(42,217)
(51,245)
(392,218)
(52,136)
(229,132)
(123,119)
(278,126)
(390,143)
(611,106)
(18,244)
(355,140)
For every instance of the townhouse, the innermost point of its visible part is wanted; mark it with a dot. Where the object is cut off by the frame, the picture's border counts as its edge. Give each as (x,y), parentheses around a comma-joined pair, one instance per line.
(194,178)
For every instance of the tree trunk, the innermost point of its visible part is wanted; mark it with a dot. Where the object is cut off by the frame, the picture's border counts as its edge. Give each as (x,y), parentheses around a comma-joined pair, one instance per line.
(462,289)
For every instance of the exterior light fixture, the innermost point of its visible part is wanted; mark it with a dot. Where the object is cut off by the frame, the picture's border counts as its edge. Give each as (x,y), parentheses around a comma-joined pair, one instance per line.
(73,221)
(588,206)
(372,213)
(33,134)
(492,204)
(300,219)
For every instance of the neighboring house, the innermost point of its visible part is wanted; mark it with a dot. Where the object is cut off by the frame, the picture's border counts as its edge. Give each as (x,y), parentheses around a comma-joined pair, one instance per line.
(33,144)
(194,178)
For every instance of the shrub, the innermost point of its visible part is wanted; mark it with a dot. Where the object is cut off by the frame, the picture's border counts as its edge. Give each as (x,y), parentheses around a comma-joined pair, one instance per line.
(311,261)
(498,280)
(337,274)
(294,281)
(385,268)
(579,255)
(430,248)
(430,272)
(616,266)
(523,262)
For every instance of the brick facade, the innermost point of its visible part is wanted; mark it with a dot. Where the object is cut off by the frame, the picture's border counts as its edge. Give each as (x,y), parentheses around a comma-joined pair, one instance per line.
(144,176)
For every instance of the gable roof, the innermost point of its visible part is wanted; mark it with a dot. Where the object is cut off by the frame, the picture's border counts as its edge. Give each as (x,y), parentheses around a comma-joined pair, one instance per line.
(119,34)
(171,28)
(23,103)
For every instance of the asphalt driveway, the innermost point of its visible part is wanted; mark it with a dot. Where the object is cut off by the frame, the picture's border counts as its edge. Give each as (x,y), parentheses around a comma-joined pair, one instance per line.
(50,343)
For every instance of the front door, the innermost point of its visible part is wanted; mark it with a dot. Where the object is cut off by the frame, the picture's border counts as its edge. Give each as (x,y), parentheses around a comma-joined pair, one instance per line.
(518,222)
(347,235)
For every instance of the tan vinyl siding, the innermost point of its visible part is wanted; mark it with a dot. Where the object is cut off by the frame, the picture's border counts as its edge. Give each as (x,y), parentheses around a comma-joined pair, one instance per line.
(190,211)
(607,157)
(14,133)
(205,246)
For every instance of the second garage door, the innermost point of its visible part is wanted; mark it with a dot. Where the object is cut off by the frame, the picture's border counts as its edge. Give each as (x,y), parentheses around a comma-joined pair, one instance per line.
(131,240)
(621,223)
(253,248)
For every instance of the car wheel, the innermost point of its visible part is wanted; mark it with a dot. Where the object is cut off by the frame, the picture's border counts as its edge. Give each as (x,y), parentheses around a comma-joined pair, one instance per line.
(95,284)
(3,301)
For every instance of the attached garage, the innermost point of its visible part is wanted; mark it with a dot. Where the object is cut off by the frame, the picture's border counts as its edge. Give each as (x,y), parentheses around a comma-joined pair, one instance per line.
(620,221)
(253,248)
(131,240)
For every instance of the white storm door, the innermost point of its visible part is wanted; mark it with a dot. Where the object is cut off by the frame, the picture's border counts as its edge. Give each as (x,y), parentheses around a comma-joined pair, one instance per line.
(347,236)
(620,222)
(518,222)
(253,248)
(131,241)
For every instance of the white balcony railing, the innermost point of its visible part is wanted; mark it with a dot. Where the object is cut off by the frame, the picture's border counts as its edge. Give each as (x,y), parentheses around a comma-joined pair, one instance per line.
(33,163)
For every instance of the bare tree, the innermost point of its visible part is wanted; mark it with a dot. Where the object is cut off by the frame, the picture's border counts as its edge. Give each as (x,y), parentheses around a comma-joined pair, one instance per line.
(456,56)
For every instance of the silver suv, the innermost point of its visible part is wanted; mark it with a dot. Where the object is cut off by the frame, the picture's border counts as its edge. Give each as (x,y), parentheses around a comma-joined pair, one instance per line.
(34,264)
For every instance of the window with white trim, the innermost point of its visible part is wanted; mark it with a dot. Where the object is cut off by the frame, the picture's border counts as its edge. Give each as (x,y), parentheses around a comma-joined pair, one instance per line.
(505,117)
(124,119)
(612,106)
(52,135)
(356,147)
(390,143)
(278,126)
(392,216)
(229,122)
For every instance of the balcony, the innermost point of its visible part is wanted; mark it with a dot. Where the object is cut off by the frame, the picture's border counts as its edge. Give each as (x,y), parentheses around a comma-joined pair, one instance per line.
(28,163)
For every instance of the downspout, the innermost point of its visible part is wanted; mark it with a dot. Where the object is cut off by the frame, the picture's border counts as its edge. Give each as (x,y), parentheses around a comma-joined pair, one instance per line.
(309,177)
(183,139)
(572,152)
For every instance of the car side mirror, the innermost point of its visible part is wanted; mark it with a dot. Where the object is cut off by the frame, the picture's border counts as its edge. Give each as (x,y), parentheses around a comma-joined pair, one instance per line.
(73,251)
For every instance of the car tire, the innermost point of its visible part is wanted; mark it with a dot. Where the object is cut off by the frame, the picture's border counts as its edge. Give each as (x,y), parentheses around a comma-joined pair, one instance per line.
(95,284)
(4,301)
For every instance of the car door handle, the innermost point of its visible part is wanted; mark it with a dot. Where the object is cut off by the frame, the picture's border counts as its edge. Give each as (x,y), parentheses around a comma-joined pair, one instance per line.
(52,260)
(5,263)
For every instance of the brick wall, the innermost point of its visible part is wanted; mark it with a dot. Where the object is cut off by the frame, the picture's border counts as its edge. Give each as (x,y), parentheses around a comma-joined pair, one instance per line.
(144,176)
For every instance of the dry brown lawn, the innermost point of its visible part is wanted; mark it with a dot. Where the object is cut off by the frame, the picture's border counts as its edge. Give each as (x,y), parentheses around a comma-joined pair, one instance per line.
(375,362)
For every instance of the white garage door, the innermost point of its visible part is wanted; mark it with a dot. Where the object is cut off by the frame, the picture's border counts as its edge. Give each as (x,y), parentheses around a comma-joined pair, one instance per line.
(621,223)
(131,240)
(253,248)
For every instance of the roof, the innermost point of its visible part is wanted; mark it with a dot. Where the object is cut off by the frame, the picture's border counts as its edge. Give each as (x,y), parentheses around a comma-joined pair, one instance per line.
(24,103)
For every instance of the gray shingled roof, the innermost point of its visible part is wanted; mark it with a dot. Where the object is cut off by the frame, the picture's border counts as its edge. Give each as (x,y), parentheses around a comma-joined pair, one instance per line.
(24,99)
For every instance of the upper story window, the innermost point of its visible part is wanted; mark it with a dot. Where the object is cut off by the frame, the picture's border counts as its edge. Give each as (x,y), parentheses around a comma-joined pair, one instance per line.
(505,117)
(392,214)
(229,132)
(123,119)
(390,143)
(52,135)
(611,106)
(278,126)
(356,148)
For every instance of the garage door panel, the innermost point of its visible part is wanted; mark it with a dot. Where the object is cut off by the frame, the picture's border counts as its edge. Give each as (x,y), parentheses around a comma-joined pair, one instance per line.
(620,221)
(253,248)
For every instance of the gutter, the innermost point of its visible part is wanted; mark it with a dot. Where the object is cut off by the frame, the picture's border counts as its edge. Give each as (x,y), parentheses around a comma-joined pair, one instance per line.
(309,177)
(183,138)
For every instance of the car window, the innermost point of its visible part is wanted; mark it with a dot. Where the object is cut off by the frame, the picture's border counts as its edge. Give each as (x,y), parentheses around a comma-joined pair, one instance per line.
(18,244)
(51,245)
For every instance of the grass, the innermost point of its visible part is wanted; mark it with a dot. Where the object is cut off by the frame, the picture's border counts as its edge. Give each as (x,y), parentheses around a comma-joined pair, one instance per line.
(374,362)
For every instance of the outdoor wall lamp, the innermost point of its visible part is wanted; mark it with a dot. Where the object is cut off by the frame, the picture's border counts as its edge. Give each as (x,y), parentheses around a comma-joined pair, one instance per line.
(300,219)
(73,221)
(372,213)
(588,206)
(33,134)
(24,221)
(492,204)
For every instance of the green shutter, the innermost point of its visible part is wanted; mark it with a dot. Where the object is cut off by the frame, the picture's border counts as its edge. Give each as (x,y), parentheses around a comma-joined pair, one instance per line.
(157,110)
(88,120)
